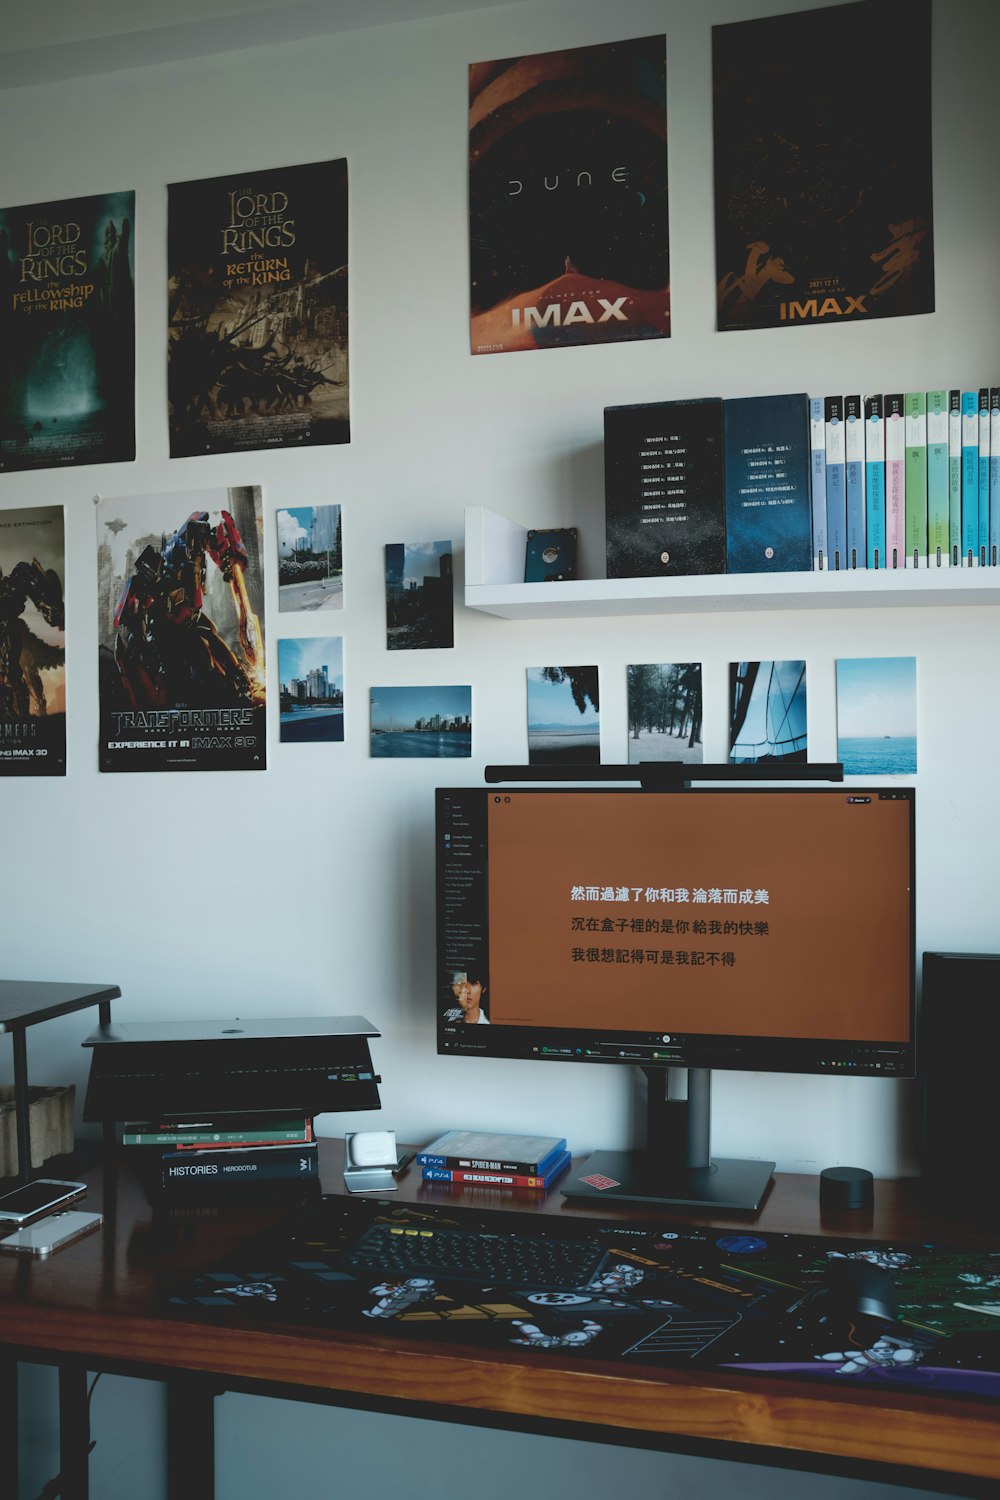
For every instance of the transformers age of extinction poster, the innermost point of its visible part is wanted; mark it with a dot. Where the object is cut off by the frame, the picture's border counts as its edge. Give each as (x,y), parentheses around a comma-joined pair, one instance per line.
(823,192)
(568,220)
(180,600)
(67,333)
(32,642)
(257,326)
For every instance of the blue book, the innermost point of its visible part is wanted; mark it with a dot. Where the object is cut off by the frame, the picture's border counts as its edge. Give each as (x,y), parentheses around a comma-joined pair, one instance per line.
(491,1151)
(955,476)
(817,482)
(875,481)
(768,504)
(984,476)
(854,472)
(994,552)
(836,483)
(970,479)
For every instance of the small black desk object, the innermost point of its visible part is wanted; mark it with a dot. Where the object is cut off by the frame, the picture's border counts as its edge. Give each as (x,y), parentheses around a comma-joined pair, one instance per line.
(25,1002)
(846,1190)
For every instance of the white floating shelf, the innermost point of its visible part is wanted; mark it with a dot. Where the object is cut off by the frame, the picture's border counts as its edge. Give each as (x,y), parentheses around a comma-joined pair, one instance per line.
(494,555)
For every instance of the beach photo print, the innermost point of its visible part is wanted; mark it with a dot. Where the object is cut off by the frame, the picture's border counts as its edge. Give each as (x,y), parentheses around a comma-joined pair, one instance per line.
(877,715)
(564,716)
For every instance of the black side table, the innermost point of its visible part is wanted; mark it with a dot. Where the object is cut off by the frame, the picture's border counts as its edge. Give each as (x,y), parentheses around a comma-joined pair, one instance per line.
(24,1003)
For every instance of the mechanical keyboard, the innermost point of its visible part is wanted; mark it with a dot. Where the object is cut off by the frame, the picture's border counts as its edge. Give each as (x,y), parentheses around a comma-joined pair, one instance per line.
(471,1255)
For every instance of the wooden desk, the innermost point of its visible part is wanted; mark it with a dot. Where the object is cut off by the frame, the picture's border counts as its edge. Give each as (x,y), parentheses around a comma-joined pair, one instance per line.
(95,1306)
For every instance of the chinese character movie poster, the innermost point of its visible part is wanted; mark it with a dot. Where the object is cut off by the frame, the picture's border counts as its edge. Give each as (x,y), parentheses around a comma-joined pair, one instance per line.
(180,601)
(32,642)
(823,202)
(67,333)
(257,323)
(568,197)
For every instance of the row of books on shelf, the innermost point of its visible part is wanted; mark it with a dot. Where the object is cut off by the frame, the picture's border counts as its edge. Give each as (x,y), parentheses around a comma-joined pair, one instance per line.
(794,483)
(229,1148)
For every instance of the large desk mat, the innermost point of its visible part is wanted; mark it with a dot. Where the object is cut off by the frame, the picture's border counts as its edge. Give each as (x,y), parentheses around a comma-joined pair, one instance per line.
(662,1295)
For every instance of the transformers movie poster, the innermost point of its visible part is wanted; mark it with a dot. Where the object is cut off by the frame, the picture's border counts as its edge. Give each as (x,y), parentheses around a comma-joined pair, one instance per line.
(180,600)
(257,323)
(568,197)
(67,333)
(32,642)
(823,206)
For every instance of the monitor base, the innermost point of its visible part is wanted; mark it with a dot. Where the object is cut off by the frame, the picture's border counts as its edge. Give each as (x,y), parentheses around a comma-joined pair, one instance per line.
(642,1177)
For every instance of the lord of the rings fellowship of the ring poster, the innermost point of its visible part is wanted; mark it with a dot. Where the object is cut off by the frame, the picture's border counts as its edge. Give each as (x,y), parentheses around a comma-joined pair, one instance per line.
(67,333)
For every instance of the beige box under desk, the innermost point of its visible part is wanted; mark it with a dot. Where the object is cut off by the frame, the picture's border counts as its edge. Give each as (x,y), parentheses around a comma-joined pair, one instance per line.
(50,1123)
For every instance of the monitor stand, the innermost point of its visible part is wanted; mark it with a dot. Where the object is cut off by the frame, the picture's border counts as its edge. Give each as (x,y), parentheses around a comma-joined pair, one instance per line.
(676,1167)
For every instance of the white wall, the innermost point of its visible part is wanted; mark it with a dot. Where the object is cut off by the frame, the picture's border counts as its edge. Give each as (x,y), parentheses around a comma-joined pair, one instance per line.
(307,890)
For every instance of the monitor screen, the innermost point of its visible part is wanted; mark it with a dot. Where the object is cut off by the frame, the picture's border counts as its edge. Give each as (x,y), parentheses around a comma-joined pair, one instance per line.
(770,930)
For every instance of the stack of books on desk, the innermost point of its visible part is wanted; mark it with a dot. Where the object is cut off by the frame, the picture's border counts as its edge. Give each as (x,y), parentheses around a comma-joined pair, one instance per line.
(484,1158)
(229,1148)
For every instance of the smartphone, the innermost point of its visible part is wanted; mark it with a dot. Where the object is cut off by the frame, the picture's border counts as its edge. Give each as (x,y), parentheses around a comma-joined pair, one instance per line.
(51,1234)
(33,1200)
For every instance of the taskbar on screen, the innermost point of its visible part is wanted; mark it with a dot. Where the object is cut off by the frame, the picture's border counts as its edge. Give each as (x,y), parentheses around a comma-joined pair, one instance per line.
(870,1058)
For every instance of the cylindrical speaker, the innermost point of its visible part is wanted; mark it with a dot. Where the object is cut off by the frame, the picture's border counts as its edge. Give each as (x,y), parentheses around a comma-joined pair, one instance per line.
(957,1057)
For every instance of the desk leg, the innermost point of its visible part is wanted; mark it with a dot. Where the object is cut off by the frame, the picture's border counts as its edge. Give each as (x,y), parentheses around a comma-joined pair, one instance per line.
(21,1105)
(190,1440)
(74,1434)
(8,1417)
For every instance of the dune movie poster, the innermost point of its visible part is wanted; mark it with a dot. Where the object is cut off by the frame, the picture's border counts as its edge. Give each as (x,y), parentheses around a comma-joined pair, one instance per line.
(823,201)
(180,601)
(67,333)
(32,642)
(568,222)
(257,324)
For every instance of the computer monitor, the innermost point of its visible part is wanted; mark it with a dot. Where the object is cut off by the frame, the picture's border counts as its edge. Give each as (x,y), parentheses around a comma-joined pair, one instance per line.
(764,929)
